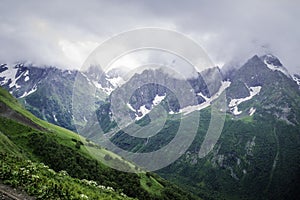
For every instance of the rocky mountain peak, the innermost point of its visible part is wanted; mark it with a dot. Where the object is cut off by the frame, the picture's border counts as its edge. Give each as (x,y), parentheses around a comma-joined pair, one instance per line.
(255,63)
(274,64)
(271,59)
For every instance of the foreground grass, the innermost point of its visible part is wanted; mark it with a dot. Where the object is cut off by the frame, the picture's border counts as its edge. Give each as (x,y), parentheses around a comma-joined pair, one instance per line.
(31,141)
(42,182)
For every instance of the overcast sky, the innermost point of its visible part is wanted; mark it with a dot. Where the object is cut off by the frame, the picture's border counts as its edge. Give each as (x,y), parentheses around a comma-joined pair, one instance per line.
(63,33)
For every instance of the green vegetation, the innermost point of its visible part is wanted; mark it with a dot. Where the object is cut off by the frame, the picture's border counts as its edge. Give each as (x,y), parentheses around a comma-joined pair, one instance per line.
(256,157)
(7,146)
(243,164)
(42,182)
(248,161)
(29,138)
(104,118)
(135,144)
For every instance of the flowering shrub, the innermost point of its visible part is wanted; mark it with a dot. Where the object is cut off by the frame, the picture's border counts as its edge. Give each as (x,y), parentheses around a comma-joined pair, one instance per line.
(40,181)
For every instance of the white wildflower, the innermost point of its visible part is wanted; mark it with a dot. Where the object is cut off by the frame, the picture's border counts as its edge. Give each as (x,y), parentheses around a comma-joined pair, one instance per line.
(83,196)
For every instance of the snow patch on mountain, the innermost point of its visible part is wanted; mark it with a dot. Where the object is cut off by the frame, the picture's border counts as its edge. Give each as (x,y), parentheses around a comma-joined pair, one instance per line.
(130,107)
(54,117)
(158,99)
(108,82)
(84,119)
(172,112)
(203,96)
(143,110)
(233,105)
(28,93)
(296,78)
(235,111)
(9,75)
(208,101)
(87,78)
(14,82)
(107,90)
(113,83)
(273,63)
(116,81)
(252,111)
(26,75)
(97,84)
(14,76)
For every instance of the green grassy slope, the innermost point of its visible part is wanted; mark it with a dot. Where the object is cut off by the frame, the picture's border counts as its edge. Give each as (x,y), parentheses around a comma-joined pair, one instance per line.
(42,182)
(29,138)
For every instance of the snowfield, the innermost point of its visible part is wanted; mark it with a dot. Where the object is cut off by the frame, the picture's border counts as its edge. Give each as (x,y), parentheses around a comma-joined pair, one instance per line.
(233,105)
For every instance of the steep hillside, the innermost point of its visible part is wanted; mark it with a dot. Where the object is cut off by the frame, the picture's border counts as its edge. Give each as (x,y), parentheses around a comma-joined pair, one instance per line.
(25,137)
(257,154)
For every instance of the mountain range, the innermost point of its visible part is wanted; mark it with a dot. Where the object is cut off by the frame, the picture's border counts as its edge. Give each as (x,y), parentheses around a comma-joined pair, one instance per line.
(256,156)
(47,91)
(49,162)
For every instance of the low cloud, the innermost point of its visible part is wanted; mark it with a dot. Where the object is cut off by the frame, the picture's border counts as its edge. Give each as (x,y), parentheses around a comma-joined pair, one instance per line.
(63,33)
